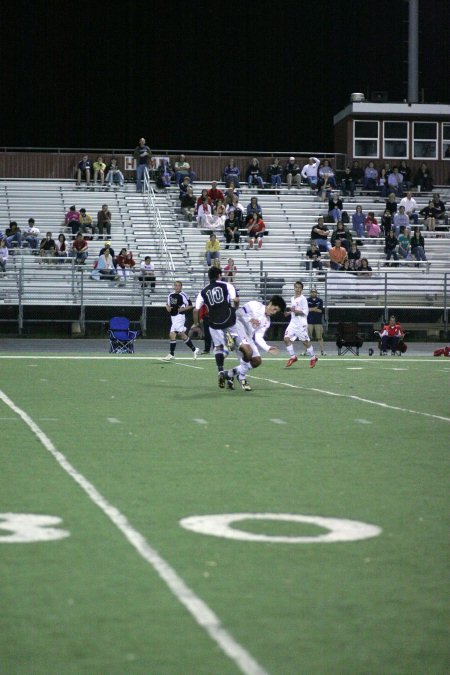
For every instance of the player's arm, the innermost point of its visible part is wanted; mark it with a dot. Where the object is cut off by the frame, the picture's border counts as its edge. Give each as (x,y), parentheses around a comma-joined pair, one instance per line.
(199,302)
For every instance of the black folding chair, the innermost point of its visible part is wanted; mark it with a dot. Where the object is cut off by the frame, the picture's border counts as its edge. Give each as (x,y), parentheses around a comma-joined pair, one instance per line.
(348,339)
(121,338)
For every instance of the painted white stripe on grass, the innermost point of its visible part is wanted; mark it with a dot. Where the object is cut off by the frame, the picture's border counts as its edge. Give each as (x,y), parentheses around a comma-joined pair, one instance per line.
(188,365)
(113,420)
(199,420)
(354,368)
(130,358)
(360,420)
(352,397)
(200,611)
(277,421)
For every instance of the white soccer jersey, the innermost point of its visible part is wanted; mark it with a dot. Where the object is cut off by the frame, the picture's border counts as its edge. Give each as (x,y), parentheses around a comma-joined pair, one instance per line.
(253,310)
(299,320)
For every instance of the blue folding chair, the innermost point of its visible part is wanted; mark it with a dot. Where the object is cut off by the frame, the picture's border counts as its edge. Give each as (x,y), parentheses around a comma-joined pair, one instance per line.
(121,338)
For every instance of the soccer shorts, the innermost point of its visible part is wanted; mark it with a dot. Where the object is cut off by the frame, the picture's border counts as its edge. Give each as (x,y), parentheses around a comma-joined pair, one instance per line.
(297,333)
(178,322)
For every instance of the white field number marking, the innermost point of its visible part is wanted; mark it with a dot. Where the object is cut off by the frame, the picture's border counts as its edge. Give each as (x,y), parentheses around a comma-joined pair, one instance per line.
(339,529)
(27,527)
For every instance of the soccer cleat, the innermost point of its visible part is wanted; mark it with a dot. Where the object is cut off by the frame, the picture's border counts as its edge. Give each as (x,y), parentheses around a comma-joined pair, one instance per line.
(245,385)
(292,360)
(222,379)
(229,342)
(230,383)
(196,352)
(169,357)
(313,361)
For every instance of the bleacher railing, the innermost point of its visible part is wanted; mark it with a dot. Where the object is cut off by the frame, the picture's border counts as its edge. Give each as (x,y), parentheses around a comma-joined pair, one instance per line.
(161,237)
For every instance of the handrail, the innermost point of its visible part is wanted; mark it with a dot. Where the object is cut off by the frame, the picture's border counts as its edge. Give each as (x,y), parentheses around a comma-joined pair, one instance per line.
(176,151)
(162,243)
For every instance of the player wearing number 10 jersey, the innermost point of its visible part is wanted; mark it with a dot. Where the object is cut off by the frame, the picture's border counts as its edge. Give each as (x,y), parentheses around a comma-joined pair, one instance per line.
(220,296)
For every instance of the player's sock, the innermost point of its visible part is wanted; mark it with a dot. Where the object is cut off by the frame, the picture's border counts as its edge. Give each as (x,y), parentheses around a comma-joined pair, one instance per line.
(244,368)
(220,360)
(310,352)
(173,345)
(190,344)
(290,350)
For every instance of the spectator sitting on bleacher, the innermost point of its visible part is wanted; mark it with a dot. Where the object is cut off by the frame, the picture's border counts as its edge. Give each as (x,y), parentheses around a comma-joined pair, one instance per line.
(347,183)
(147,274)
(183,170)
(390,247)
(344,235)
(364,269)
(114,174)
(292,173)
(386,222)
(31,235)
(423,178)
(357,173)
(254,174)
(395,182)
(231,174)
(212,249)
(335,206)
(229,272)
(326,175)
(309,173)
(215,194)
(418,246)
(391,204)
(255,228)
(237,207)
(204,196)
(13,235)
(358,222)
(104,221)
(47,248)
(404,243)
(230,192)
(125,264)
(406,173)
(382,182)
(275,173)
(370,177)
(163,174)
(354,256)
(373,230)
(62,248)
(72,219)
(185,183)
(410,205)
(337,255)
(188,204)
(79,249)
(84,170)
(105,266)
(429,213)
(254,207)
(4,253)
(441,214)
(313,254)
(86,224)
(204,209)
(400,219)
(107,247)
(99,170)
(319,234)
(232,230)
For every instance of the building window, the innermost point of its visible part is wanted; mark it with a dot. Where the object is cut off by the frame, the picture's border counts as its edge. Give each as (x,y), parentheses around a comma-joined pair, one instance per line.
(366,138)
(396,140)
(425,140)
(445,140)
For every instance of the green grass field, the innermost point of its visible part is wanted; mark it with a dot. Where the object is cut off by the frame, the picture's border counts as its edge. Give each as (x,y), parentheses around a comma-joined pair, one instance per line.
(161,442)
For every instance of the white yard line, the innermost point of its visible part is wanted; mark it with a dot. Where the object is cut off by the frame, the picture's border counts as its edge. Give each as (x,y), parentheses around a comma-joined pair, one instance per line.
(199,610)
(352,397)
(129,358)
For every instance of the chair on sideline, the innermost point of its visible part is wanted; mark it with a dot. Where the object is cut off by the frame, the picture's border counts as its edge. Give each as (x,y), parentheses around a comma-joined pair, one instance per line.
(121,338)
(348,338)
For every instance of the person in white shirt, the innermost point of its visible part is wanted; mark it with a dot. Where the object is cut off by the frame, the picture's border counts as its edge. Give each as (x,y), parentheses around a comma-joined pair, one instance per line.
(309,171)
(3,256)
(410,205)
(252,322)
(147,273)
(298,327)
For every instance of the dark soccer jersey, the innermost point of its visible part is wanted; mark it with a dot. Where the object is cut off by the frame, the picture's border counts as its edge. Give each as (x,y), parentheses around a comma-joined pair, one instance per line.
(315,317)
(176,300)
(217,298)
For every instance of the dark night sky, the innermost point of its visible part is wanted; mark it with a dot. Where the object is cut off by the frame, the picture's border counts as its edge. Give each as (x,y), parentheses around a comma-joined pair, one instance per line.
(242,75)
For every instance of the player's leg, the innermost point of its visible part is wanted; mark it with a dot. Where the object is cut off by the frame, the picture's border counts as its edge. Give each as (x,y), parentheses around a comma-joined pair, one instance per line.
(289,338)
(172,345)
(304,337)
(188,342)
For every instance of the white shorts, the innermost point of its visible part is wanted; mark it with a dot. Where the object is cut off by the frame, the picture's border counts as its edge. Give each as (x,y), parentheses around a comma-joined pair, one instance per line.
(244,338)
(297,333)
(178,324)
(219,335)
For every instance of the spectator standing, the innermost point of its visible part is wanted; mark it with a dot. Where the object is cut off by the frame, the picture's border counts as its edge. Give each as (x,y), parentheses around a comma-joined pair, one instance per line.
(309,173)
(99,171)
(292,173)
(104,221)
(114,174)
(315,319)
(84,168)
(142,155)
(410,205)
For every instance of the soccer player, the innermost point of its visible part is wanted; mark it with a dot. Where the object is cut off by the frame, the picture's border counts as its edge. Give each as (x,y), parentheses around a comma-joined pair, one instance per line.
(178,303)
(252,322)
(220,296)
(298,327)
